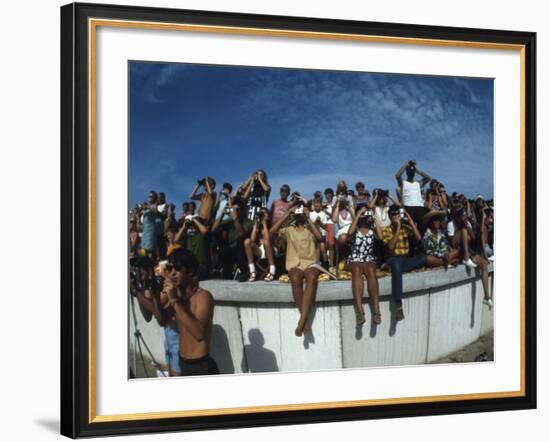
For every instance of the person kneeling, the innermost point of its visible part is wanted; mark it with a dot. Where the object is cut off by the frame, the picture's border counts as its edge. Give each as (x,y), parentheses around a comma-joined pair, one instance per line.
(396,238)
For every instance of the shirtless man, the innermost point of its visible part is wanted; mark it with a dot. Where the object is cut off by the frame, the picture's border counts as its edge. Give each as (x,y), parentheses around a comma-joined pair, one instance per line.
(194,312)
(207,198)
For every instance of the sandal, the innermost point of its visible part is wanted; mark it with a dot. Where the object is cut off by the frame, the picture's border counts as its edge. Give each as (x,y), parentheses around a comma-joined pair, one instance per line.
(252,277)
(376,318)
(269,277)
(360,319)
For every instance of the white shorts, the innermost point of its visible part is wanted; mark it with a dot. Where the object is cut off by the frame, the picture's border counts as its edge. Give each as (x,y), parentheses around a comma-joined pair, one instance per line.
(343,231)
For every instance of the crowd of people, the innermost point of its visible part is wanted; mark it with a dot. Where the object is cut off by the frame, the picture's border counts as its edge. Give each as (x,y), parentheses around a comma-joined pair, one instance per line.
(237,234)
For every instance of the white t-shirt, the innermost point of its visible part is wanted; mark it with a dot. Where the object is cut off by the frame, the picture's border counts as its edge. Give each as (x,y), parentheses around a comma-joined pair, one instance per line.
(382,216)
(162,208)
(328,210)
(322,215)
(412,194)
(451,230)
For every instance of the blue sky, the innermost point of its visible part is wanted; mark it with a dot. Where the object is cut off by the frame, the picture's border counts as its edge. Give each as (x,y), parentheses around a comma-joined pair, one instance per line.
(305,128)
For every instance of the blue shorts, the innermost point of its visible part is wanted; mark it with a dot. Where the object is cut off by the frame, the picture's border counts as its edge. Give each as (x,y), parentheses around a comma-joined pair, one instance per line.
(172,349)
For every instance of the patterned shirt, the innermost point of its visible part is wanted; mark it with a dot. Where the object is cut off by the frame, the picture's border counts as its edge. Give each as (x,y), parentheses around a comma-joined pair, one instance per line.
(362,247)
(402,243)
(435,244)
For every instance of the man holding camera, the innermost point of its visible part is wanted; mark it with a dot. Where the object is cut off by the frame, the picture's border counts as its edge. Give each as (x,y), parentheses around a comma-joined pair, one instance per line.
(411,190)
(147,288)
(207,198)
(396,237)
(153,229)
(194,313)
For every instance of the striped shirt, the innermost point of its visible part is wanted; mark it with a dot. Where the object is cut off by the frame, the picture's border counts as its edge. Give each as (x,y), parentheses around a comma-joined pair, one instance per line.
(402,243)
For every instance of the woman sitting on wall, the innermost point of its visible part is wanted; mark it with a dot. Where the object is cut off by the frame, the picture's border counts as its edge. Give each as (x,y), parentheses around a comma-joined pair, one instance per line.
(468,242)
(301,239)
(436,246)
(362,262)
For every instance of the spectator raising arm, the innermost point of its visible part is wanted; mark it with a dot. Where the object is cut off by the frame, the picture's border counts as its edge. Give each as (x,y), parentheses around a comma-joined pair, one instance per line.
(312,227)
(425,177)
(202,228)
(399,174)
(275,228)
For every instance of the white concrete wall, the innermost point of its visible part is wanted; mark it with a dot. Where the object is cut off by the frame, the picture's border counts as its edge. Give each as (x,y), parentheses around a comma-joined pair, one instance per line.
(254,324)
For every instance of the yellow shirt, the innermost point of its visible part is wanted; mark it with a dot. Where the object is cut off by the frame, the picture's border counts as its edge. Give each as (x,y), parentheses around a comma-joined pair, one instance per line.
(172,247)
(402,243)
(300,247)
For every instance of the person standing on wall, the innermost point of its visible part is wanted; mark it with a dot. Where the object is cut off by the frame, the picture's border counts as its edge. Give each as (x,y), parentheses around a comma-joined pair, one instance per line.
(411,190)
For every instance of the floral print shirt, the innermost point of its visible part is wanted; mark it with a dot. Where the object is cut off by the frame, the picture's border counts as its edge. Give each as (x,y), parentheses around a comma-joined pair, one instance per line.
(435,243)
(362,247)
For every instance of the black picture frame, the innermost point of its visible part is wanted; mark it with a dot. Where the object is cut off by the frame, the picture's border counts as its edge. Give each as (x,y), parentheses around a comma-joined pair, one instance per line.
(75,220)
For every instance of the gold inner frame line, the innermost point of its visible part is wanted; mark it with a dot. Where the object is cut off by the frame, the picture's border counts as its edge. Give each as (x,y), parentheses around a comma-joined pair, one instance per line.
(92,33)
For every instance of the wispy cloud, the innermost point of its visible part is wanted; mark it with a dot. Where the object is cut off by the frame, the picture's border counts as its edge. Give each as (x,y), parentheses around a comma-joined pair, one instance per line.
(309,128)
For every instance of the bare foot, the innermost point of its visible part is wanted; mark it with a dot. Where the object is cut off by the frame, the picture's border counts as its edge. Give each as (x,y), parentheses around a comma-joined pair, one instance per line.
(307,326)
(360,319)
(376,318)
(300,327)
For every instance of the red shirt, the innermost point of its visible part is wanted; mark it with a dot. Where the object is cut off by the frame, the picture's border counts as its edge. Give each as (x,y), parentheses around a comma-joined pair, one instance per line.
(278,209)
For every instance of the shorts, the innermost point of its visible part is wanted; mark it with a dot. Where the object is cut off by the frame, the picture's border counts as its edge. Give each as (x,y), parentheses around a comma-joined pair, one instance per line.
(262,251)
(198,367)
(343,231)
(172,349)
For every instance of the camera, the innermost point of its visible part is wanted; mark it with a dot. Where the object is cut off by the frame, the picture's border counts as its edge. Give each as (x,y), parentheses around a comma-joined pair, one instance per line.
(299,210)
(154,284)
(201,182)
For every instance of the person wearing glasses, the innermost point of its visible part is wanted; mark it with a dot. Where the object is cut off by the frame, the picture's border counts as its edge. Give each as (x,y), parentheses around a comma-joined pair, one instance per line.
(397,238)
(194,313)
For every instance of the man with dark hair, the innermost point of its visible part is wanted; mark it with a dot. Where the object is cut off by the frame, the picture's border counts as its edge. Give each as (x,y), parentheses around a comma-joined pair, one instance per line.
(397,239)
(194,312)
(162,206)
(147,289)
(207,198)
(411,191)
(153,228)
(280,206)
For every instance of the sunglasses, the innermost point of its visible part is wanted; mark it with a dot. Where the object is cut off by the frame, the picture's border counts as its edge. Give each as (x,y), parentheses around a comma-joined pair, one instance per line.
(176,267)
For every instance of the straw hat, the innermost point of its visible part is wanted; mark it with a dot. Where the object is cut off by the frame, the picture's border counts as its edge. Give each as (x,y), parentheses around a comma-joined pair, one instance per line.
(427,219)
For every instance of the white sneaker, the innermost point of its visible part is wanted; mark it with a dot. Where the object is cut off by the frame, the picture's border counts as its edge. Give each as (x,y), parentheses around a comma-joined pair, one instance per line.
(488,302)
(469,263)
(491,258)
